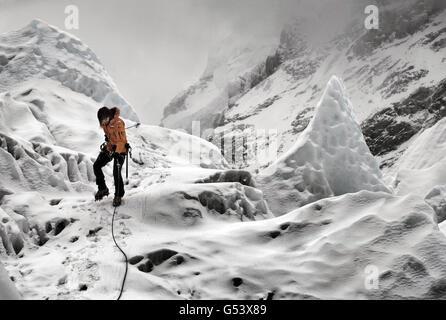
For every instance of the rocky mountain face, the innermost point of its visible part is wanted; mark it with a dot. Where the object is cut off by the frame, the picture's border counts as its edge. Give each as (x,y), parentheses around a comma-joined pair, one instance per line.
(394,77)
(391,127)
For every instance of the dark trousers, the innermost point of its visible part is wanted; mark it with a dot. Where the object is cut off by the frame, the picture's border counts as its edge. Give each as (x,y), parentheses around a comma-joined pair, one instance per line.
(101,162)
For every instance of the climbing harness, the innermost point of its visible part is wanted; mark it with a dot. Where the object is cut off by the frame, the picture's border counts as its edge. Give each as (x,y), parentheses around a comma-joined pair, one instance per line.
(103,148)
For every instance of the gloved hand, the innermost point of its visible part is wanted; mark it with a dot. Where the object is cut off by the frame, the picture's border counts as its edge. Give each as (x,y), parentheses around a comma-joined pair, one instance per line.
(127,146)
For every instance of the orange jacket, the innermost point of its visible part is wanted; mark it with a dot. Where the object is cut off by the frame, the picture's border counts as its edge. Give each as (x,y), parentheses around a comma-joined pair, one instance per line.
(115,132)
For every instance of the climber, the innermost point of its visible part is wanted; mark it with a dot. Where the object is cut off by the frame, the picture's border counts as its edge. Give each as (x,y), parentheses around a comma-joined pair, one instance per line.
(114,148)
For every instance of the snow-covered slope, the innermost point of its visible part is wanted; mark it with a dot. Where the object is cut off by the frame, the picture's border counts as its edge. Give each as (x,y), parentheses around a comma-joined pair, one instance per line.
(423,166)
(40,51)
(7,289)
(364,245)
(329,158)
(356,246)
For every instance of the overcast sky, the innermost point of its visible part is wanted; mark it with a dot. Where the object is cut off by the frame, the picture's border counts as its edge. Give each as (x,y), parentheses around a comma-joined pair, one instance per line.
(155,48)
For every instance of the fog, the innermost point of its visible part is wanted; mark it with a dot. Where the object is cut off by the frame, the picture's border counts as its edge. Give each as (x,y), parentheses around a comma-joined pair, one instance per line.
(153,49)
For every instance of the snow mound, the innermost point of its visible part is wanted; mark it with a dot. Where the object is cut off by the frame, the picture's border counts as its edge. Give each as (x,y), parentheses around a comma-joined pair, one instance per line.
(17,120)
(241,176)
(41,51)
(28,215)
(423,165)
(355,246)
(329,158)
(177,204)
(42,167)
(155,146)
(436,198)
(7,289)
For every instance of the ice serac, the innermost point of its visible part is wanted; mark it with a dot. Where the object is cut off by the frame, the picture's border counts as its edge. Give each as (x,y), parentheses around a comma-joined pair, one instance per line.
(41,51)
(330,158)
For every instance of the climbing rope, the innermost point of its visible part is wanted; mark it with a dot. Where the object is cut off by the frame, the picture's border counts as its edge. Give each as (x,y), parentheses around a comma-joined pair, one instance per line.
(120,249)
(123,253)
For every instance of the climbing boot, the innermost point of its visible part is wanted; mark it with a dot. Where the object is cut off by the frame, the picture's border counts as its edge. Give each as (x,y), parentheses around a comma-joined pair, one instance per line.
(101,194)
(117,201)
